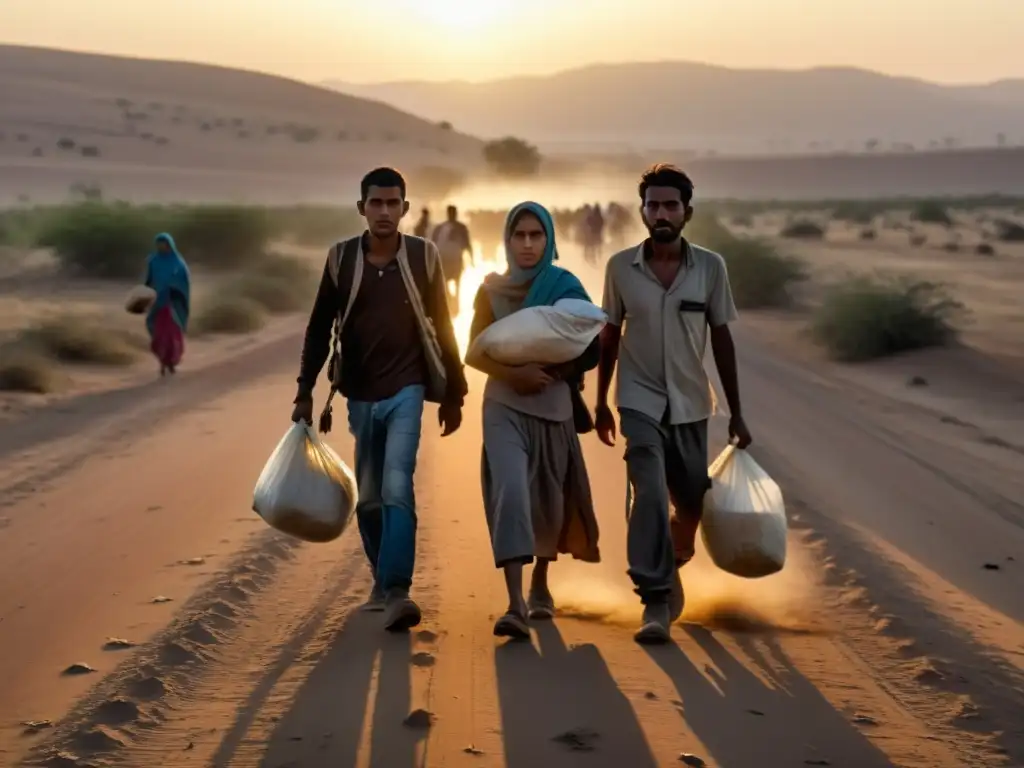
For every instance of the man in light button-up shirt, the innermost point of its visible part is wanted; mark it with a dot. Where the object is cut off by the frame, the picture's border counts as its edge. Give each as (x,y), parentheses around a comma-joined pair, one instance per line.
(664,299)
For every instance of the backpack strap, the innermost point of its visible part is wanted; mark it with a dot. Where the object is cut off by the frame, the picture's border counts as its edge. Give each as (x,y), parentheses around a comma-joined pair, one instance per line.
(343,252)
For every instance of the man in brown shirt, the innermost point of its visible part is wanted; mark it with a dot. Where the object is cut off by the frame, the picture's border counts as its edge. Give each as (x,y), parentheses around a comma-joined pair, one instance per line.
(664,300)
(383,294)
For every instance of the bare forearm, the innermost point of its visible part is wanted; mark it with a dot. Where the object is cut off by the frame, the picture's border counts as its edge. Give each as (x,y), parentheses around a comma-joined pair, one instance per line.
(610,337)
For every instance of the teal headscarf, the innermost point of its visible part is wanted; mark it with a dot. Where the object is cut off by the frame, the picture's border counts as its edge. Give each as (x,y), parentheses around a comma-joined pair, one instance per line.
(168,275)
(547,283)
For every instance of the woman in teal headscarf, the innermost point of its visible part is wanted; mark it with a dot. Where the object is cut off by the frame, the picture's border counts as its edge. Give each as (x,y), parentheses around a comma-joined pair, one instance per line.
(167,320)
(536,490)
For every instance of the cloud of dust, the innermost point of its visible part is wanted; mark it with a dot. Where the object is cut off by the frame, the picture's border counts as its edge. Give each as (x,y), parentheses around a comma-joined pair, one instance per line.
(551,191)
(784,602)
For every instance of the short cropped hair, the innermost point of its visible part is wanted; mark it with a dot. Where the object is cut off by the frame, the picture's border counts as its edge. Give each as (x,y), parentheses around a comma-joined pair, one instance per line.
(666,175)
(382,177)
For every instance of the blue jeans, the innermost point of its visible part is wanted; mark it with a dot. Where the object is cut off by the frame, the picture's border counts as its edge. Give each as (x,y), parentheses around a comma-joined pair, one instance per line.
(387,437)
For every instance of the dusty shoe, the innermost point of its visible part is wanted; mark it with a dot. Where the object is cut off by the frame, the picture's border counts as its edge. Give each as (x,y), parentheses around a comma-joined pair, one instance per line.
(541,606)
(676,599)
(512,625)
(400,612)
(375,602)
(656,623)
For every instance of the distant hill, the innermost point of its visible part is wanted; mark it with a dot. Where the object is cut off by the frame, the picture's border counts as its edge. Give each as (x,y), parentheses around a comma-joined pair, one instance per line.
(676,105)
(145,128)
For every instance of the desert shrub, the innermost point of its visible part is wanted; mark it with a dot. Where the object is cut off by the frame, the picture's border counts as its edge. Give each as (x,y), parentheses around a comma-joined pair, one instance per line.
(229,314)
(444,125)
(1009,231)
(24,370)
(868,234)
(917,240)
(951,247)
(279,284)
(803,229)
(107,241)
(985,249)
(742,220)
(760,276)
(512,157)
(856,213)
(65,143)
(304,134)
(866,318)
(221,236)
(74,339)
(89,151)
(931,212)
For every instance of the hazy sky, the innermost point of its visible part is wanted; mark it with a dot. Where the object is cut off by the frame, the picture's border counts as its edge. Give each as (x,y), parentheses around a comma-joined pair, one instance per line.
(442,39)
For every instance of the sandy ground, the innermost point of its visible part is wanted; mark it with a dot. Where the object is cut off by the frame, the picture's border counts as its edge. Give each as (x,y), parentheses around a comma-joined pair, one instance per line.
(895,635)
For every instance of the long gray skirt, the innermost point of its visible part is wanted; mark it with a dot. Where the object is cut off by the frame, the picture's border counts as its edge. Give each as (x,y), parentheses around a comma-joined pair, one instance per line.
(536,490)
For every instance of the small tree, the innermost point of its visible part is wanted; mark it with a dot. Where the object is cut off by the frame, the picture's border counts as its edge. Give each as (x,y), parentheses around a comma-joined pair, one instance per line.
(512,157)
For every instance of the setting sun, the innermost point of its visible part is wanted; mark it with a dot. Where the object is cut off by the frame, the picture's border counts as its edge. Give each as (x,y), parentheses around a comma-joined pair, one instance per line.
(463,14)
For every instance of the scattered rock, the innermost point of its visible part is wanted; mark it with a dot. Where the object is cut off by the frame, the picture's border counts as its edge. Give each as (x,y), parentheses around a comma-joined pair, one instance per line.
(650,696)
(419,718)
(757,712)
(471,750)
(117,644)
(161,599)
(35,726)
(991,566)
(578,739)
(79,668)
(193,561)
(864,720)
(692,760)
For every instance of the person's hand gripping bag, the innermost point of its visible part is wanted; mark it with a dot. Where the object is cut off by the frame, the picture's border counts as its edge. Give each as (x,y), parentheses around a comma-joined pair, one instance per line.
(305,489)
(744,524)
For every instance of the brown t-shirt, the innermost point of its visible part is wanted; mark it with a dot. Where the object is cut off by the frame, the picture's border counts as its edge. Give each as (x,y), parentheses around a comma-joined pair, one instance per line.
(381,348)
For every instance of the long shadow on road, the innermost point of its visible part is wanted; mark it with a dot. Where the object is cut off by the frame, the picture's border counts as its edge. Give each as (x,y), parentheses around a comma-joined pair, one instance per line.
(562,707)
(745,723)
(327,719)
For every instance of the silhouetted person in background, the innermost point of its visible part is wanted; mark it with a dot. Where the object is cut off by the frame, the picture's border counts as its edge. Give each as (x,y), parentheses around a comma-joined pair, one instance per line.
(422,228)
(453,242)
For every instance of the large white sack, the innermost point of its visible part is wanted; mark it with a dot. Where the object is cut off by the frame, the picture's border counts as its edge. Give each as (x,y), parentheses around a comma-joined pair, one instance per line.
(543,335)
(744,524)
(305,489)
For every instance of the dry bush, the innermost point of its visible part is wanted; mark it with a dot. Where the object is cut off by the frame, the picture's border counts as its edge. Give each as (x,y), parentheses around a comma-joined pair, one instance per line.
(868,234)
(804,230)
(1010,231)
(759,275)
(985,249)
(84,340)
(24,370)
(229,314)
(865,318)
(931,212)
(278,284)
(917,240)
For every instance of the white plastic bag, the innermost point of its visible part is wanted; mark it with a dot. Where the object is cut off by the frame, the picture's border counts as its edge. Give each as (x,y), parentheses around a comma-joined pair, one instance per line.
(305,489)
(139,299)
(744,523)
(543,335)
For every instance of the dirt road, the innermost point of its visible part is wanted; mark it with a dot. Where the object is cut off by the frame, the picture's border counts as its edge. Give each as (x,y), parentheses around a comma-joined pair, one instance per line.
(895,636)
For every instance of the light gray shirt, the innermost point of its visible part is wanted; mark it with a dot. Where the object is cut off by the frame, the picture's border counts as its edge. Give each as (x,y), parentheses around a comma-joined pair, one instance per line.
(665,332)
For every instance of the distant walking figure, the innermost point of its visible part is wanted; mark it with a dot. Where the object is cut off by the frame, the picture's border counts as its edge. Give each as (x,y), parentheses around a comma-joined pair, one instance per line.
(167,321)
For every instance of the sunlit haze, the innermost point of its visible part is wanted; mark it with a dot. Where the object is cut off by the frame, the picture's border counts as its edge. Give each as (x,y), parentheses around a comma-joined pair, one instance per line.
(463,39)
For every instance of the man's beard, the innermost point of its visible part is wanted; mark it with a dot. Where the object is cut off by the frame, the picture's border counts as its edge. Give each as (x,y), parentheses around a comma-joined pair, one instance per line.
(663,232)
